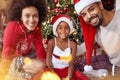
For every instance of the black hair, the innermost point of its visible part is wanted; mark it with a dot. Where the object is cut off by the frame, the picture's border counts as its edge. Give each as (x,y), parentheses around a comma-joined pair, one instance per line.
(108,4)
(15,10)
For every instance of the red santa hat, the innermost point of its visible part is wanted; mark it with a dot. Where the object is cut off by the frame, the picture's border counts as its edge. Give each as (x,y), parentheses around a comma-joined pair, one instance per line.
(88,30)
(57,19)
(81,4)
(89,37)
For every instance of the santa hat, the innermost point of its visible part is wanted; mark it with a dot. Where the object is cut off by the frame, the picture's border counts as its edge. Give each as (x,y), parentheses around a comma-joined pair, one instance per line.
(57,19)
(81,4)
(88,30)
(89,36)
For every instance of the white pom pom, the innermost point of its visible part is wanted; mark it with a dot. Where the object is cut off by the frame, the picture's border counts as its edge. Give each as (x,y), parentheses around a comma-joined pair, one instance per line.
(88,68)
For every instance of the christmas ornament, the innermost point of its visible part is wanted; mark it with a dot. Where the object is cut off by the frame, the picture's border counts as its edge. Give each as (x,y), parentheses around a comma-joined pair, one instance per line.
(27,61)
(66,9)
(58,5)
(45,41)
(49,75)
(55,1)
(57,9)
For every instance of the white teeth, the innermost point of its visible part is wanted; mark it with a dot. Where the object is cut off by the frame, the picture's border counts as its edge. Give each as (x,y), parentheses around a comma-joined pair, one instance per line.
(31,25)
(62,35)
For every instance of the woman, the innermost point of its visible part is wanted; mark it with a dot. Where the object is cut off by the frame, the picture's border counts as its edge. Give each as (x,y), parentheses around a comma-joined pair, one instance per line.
(22,37)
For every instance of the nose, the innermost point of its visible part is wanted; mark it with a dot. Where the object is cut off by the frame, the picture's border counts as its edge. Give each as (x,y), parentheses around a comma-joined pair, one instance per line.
(63,30)
(88,15)
(31,18)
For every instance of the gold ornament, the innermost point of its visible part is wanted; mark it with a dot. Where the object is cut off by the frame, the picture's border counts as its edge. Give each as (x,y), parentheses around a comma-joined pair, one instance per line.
(27,61)
(49,75)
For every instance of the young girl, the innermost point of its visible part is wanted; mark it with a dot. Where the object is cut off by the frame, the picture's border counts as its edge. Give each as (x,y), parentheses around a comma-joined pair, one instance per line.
(22,37)
(61,51)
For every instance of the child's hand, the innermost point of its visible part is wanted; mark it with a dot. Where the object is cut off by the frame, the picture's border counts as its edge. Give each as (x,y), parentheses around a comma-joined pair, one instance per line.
(65,78)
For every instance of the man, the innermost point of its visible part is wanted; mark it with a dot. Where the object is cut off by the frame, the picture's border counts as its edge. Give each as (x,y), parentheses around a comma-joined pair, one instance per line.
(101,25)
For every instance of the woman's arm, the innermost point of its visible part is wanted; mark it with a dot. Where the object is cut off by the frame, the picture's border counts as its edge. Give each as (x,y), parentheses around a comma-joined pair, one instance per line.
(50,47)
(73,47)
(39,48)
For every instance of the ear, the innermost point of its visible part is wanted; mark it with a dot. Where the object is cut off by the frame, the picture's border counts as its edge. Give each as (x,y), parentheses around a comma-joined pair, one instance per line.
(101,5)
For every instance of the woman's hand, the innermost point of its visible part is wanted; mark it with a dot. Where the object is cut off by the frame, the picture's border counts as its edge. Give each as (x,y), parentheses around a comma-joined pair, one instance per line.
(35,66)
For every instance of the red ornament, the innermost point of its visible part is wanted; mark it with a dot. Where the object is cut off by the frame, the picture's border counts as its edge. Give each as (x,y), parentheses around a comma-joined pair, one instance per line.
(45,41)
(57,9)
(55,1)
(66,9)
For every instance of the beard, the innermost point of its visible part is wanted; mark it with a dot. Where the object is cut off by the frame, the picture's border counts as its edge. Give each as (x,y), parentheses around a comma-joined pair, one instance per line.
(97,23)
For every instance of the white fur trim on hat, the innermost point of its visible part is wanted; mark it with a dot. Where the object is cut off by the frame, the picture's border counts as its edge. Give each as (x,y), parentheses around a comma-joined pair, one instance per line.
(67,20)
(79,6)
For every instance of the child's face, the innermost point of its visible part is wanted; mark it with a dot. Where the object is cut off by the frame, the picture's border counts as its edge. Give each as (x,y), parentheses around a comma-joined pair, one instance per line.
(63,30)
(30,18)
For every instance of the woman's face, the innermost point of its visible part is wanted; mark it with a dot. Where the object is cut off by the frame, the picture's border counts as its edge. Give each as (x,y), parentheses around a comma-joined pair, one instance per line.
(63,30)
(30,18)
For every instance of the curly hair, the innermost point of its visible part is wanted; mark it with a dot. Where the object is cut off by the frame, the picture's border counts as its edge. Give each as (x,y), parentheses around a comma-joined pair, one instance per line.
(15,10)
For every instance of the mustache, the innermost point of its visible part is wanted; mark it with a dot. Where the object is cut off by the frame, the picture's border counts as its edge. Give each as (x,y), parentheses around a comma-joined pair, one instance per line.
(90,19)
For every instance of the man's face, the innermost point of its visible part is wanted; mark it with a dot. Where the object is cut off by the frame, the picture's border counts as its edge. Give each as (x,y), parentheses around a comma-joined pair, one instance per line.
(92,14)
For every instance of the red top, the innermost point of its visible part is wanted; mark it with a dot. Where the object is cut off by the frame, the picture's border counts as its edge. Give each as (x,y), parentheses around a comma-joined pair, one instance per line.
(15,36)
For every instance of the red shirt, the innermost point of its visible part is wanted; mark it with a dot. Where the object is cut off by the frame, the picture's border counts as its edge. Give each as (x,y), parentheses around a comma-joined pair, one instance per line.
(14,34)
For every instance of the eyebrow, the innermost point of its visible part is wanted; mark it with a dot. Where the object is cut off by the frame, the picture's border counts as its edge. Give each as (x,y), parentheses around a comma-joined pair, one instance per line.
(90,7)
